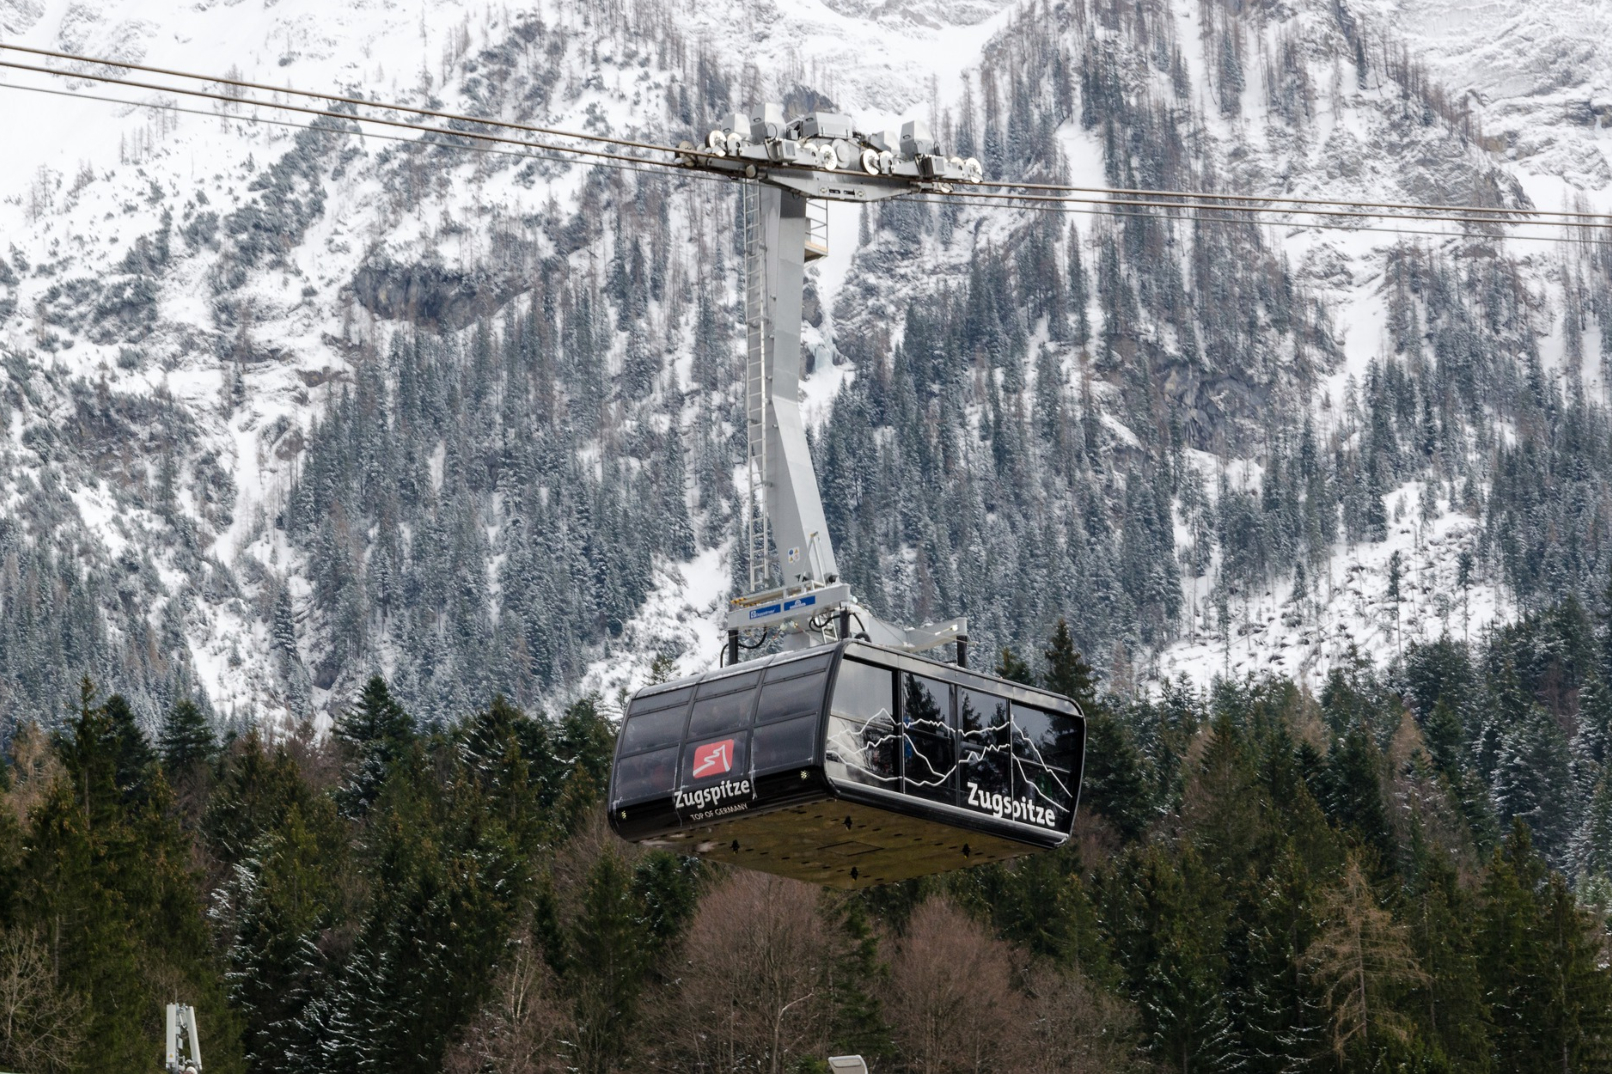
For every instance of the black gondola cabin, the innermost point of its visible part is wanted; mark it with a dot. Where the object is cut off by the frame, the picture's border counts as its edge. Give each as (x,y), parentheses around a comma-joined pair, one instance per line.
(848,765)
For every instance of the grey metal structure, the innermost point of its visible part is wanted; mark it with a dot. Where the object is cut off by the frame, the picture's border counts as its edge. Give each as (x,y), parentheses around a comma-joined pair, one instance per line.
(795,583)
(184,1045)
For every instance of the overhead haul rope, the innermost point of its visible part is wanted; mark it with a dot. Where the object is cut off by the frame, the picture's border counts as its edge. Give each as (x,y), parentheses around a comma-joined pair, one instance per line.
(541,154)
(349,117)
(1244,215)
(1143,192)
(1140,192)
(338,98)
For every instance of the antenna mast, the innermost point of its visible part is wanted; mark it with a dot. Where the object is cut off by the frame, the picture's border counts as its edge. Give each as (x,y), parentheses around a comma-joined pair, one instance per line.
(184,1044)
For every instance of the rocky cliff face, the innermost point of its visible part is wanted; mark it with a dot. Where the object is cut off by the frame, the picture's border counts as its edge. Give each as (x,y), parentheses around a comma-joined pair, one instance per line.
(287,407)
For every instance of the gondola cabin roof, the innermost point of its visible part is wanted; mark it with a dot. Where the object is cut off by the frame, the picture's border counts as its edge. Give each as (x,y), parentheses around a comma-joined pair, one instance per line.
(848,765)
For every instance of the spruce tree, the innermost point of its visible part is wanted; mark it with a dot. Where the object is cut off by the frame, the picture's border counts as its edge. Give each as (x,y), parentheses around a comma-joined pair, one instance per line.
(107,872)
(858,989)
(1549,999)
(1115,782)
(1067,671)
(186,740)
(1533,782)
(1592,857)
(374,734)
(605,965)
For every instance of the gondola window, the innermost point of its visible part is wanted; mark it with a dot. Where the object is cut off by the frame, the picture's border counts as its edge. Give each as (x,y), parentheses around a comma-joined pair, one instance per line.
(929,748)
(1046,751)
(861,744)
(987,741)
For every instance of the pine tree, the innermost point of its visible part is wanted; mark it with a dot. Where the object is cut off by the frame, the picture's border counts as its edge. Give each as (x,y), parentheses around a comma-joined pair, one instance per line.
(187,737)
(1067,671)
(374,734)
(1549,999)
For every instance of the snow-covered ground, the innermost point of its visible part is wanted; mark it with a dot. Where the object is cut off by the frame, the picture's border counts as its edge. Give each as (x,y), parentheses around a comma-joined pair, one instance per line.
(82,179)
(1347,613)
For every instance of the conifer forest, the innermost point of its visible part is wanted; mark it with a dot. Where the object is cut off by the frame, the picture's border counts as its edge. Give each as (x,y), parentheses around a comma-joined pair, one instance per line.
(1379,878)
(352,479)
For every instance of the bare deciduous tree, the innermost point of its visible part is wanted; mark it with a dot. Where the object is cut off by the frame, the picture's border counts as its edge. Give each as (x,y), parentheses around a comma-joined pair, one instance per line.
(750,994)
(41,1024)
(1074,1028)
(34,767)
(952,1004)
(522,1030)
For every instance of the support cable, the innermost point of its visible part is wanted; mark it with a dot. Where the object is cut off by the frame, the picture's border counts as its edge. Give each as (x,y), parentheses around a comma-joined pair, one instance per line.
(1137,192)
(337,98)
(1244,213)
(1605,225)
(1143,192)
(347,116)
(1314,225)
(556,156)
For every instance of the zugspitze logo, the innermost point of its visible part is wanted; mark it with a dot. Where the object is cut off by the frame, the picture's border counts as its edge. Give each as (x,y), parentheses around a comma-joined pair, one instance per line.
(713,759)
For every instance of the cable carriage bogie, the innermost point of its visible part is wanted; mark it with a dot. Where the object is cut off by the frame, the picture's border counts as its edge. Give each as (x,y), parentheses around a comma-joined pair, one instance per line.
(848,765)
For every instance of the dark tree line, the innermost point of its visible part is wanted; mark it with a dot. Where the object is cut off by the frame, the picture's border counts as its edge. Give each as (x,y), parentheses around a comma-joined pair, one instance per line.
(1259,880)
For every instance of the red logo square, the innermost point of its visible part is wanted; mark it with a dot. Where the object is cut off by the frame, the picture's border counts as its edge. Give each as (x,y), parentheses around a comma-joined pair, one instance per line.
(713,759)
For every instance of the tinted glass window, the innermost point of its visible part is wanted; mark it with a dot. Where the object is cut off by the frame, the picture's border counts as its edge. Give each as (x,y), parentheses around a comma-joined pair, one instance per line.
(791,697)
(725,712)
(1047,738)
(929,750)
(664,700)
(648,775)
(789,744)
(986,744)
(729,683)
(652,730)
(1048,788)
(863,692)
(1047,749)
(861,728)
(802,666)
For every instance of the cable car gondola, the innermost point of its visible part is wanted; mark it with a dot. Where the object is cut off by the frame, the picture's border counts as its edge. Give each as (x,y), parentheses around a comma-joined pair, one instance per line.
(844,762)
(847,765)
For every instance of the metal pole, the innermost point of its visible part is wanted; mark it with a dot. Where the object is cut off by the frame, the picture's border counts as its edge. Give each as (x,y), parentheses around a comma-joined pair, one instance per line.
(794,503)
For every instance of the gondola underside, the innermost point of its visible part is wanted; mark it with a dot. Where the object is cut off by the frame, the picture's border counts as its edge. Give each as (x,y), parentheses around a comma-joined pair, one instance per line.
(844,844)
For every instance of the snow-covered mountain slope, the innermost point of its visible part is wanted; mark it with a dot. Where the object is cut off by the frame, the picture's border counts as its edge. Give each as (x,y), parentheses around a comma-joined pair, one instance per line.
(1538,76)
(287,407)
